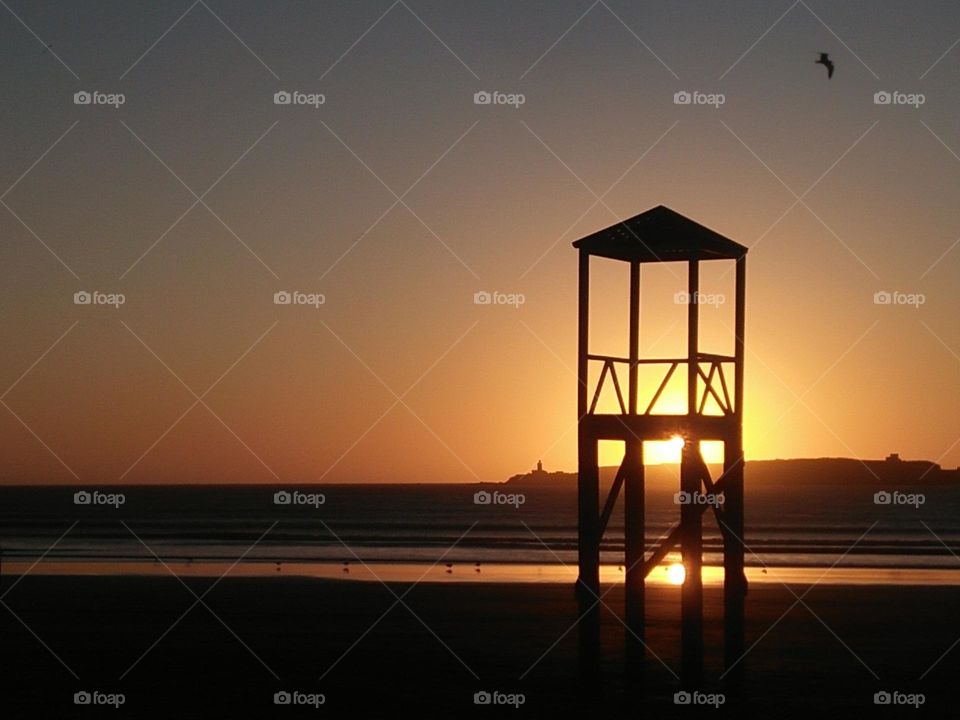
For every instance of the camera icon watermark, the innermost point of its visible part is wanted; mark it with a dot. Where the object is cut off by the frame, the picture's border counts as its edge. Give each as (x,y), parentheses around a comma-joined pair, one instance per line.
(483,497)
(295,697)
(295,97)
(295,497)
(95,97)
(684,697)
(295,297)
(895,697)
(95,697)
(97,498)
(495,697)
(698,498)
(884,497)
(483,297)
(684,97)
(484,97)
(84,297)
(895,297)
(699,298)
(895,97)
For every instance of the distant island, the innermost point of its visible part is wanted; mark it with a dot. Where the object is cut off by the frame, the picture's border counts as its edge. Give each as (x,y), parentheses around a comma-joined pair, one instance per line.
(891,471)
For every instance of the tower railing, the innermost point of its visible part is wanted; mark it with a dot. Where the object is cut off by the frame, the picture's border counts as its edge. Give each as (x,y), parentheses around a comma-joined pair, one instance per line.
(712,383)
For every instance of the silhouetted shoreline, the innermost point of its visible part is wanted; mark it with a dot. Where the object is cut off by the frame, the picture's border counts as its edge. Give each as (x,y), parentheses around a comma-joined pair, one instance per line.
(891,471)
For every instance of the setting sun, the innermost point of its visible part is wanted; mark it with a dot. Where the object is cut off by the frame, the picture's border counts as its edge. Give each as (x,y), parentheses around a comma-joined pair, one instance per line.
(659,452)
(676,573)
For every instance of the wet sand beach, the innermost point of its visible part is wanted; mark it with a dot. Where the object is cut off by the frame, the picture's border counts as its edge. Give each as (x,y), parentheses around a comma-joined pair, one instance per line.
(369,654)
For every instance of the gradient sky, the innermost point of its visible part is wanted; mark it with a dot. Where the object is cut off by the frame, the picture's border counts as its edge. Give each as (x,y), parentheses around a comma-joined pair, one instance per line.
(399,376)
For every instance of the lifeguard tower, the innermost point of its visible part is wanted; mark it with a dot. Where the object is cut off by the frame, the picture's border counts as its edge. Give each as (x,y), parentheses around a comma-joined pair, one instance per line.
(712,413)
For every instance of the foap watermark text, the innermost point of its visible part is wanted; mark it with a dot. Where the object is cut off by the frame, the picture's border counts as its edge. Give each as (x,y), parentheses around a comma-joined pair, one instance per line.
(895,697)
(95,297)
(698,498)
(514,100)
(684,97)
(295,697)
(895,97)
(95,97)
(895,297)
(295,297)
(496,497)
(295,497)
(97,498)
(696,697)
(483,297)
(95,697)
(699,298)
(895,497)
(295,97)
(495,697)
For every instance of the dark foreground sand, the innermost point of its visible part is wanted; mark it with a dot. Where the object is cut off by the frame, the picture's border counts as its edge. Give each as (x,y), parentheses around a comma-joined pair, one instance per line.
(424,665)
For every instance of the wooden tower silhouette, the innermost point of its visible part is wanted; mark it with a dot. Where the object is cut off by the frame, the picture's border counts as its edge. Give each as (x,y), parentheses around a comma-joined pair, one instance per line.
(662,235)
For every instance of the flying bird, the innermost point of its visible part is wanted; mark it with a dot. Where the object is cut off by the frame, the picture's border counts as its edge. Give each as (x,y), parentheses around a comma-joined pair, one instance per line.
(827,63)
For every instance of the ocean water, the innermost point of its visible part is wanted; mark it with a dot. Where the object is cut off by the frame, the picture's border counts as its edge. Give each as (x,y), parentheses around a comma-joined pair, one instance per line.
(342,528)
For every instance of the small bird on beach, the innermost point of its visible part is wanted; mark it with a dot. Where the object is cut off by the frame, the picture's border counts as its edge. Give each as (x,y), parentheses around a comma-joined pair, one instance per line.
(826,62)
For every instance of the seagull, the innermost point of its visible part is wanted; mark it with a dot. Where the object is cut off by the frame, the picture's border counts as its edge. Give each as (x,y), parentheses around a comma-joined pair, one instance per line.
(827,63)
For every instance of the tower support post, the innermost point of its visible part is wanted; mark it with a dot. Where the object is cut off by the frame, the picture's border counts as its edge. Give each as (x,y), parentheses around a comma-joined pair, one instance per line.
(588,582)
(634,549)
(734,580)
(691,592)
